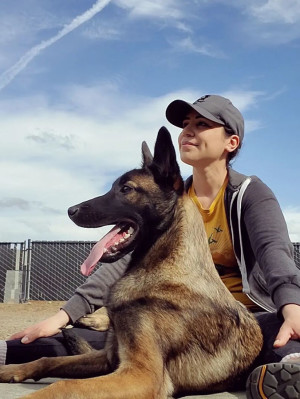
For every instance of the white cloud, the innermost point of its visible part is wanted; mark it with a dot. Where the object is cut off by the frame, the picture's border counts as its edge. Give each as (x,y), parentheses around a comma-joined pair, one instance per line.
(252,125)
(277,11)
(265,11)
(292,217)
(244,99)
(55,157)
(167,13)
(275,22)
(271,21)
(35,197)
(118,28)
(52,140)
(264,22)
(103,30)
(189,46)
(25,23)
(167,9)
(102,100)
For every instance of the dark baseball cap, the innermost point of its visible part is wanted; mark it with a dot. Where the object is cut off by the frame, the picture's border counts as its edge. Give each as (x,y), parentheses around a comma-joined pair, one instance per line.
(213,107)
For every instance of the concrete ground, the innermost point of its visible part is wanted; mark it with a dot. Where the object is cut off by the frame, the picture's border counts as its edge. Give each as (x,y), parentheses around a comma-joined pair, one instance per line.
(14,391)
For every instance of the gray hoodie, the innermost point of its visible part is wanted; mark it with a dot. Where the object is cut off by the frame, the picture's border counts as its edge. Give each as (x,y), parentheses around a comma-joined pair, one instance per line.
(261,244)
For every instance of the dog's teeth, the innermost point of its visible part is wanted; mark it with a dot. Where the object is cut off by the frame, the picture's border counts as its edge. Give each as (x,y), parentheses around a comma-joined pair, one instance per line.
(116,243)
(126,235)
(130,230)
(122,240)
(114,249)
(104,250)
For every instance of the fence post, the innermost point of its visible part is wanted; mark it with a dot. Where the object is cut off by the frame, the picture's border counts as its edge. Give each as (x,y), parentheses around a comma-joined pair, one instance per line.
(26,267)
(13,278)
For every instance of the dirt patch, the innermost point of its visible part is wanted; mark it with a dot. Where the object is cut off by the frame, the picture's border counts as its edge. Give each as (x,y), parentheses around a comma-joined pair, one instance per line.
(16,317)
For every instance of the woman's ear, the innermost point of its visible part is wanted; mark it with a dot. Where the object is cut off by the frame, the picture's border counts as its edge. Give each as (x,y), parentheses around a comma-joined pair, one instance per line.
(233,143)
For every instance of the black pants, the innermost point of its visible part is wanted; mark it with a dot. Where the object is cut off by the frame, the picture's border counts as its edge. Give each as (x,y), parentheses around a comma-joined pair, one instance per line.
(49,347)
(54,346)
(270,324)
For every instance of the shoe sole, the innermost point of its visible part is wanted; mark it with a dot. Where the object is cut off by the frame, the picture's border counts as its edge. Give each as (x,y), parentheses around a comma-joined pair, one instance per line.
(274,381)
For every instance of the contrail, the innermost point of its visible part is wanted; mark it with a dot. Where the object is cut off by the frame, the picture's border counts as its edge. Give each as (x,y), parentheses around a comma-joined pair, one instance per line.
(12,72)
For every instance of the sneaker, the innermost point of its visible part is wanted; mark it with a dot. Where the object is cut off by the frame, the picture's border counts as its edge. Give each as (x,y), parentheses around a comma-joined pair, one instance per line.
(274,381)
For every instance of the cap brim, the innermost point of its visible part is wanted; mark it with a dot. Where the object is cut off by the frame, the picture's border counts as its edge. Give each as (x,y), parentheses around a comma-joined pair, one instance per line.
(177,111)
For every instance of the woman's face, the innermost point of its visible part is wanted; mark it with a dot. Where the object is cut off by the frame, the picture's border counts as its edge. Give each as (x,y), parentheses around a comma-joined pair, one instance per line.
(202,141)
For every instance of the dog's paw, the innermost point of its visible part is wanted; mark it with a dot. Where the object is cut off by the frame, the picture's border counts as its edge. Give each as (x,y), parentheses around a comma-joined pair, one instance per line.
(98,320)
(12,373)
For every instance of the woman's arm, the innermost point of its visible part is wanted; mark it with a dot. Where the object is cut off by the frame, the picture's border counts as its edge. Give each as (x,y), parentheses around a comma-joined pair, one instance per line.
(273,250)
(45,328)
(268,235)
(90,296)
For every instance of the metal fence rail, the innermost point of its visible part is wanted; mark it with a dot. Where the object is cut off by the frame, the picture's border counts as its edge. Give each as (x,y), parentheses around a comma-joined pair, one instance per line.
(49,270)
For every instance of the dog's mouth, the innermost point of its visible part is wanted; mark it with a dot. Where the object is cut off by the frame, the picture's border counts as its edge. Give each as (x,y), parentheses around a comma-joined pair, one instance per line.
(111,246)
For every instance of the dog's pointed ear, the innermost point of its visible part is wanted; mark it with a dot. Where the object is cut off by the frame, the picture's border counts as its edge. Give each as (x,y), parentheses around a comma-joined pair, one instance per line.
(147,156)
(164,165)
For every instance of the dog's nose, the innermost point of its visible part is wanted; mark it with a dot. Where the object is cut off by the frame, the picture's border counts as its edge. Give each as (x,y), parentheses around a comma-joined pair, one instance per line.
(73,210)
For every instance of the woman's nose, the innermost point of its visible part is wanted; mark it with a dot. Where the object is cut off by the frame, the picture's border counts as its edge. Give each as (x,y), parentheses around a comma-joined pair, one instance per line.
(188,131)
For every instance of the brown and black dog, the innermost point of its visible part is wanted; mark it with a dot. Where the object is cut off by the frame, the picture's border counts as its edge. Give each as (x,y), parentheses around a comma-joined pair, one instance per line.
(174,326)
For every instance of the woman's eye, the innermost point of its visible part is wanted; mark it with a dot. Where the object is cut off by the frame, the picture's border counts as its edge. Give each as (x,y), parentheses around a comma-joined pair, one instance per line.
(125,189)
(199,123)
(202,124)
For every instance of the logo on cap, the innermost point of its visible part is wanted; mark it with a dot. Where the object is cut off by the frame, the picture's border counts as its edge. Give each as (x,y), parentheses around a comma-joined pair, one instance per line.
(201,99)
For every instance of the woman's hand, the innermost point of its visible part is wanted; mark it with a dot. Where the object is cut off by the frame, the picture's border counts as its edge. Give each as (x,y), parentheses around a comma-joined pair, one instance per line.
(45,328)
(290,328)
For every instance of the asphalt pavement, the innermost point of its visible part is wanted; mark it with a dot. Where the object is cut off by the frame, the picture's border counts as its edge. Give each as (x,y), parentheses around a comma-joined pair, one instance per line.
(15,391)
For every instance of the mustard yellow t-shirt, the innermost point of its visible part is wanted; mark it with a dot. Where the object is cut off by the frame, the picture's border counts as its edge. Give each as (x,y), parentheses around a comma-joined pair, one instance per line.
(220,244)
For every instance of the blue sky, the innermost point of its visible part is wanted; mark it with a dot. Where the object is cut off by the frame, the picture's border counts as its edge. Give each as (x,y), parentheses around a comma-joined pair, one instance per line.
(83,83)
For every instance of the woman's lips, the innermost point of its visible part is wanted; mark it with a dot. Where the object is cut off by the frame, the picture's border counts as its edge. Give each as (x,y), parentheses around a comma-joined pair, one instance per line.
(187,143)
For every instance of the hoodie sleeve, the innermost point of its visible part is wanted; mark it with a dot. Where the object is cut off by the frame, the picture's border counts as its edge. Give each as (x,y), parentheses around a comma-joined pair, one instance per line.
(92,294)
(270,242)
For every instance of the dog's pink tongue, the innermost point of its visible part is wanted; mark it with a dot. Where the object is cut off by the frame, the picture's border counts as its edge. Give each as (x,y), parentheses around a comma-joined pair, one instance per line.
(97,251)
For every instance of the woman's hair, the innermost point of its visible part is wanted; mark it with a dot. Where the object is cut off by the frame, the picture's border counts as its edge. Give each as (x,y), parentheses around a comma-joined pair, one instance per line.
(233,154)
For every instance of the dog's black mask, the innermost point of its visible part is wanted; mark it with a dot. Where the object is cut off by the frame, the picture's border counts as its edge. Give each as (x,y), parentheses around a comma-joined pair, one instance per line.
(140,204)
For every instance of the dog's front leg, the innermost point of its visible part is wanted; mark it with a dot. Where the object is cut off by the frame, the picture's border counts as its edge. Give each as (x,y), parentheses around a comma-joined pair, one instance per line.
(90,364)
(98,320)
(123,384)
(65,389)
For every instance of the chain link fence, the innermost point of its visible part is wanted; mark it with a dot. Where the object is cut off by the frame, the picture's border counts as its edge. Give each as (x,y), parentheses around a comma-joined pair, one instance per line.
(44,270)
(54,271)
(297,253)
(50,270)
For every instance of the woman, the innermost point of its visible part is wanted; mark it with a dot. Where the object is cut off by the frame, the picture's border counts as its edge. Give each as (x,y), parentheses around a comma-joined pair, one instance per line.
(246,232)
(247,235)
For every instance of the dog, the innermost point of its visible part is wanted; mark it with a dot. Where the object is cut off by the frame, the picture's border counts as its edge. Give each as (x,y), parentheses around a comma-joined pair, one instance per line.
(174,327)
(98,320)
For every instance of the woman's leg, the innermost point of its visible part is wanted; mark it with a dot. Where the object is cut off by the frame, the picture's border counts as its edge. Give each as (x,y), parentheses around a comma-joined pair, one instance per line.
(274,378)
(16,352)
(270,324)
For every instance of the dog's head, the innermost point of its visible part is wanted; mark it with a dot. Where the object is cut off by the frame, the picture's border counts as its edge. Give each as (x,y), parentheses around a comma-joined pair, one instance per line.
(141,205)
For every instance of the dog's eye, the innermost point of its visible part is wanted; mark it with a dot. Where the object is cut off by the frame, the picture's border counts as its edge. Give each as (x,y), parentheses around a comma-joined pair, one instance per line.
(125,189)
